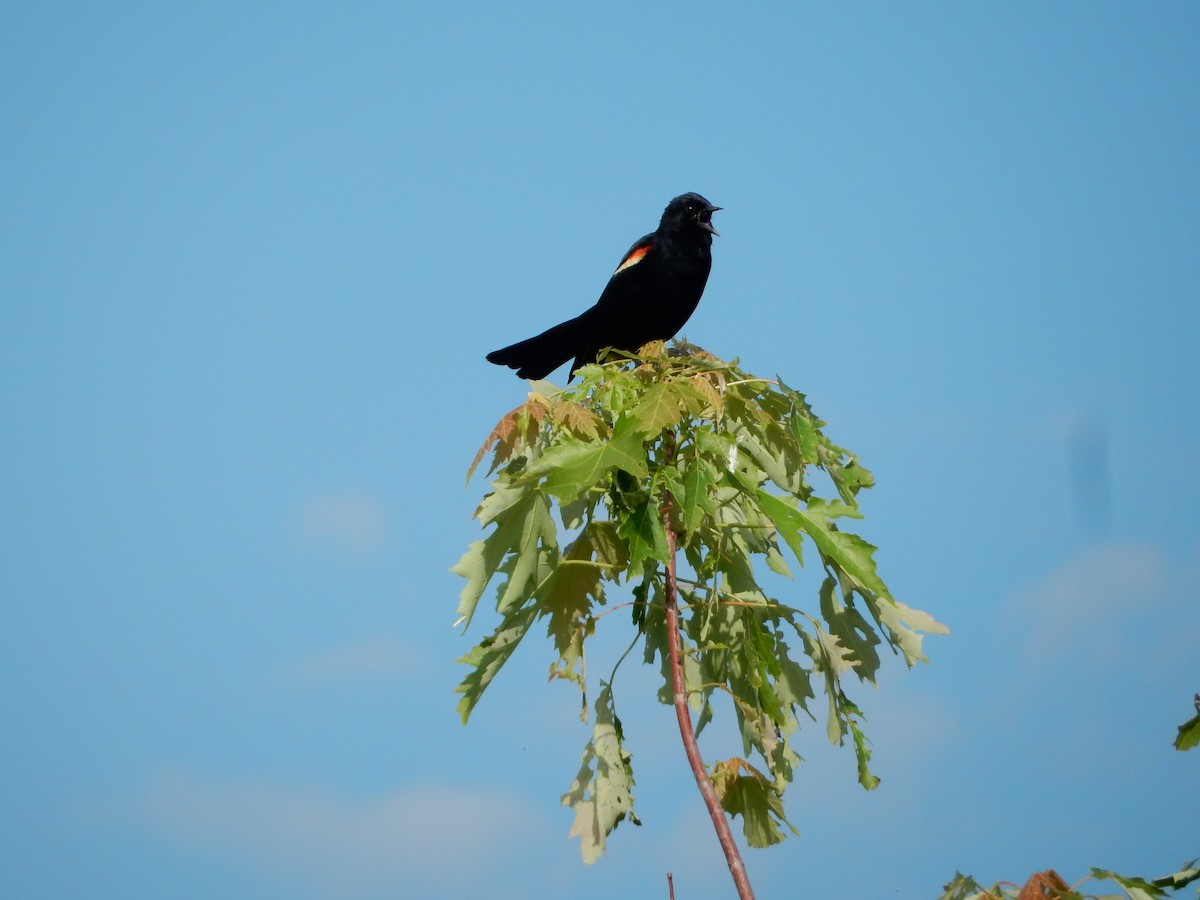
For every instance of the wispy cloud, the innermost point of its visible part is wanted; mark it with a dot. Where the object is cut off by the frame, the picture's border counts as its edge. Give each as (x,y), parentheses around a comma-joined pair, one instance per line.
(372,659)
(1101,655)
(426,841)
(347,523)
(1089,600)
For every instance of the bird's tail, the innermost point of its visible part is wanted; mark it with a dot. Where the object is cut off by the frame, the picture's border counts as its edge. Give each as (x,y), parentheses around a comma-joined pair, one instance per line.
(538,356)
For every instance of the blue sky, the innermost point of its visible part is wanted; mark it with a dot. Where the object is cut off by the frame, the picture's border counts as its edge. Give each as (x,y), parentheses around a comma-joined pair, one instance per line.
(252,257)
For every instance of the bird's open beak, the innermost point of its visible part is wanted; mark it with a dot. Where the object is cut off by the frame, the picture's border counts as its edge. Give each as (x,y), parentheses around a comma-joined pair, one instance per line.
(707,224)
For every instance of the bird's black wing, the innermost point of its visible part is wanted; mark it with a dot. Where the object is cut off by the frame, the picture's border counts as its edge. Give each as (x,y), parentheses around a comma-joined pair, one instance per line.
(628,276)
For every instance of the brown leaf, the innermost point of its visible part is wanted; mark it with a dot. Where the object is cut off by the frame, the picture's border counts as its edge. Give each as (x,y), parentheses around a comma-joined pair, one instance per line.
(518,427)
(577,418)
(1043,885)
(503,429)
(703,383)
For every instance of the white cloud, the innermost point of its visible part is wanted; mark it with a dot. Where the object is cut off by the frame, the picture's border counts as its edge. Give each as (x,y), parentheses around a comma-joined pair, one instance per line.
(347,523)
(416,841)
(1101,659)
(1090,601)
(373,659)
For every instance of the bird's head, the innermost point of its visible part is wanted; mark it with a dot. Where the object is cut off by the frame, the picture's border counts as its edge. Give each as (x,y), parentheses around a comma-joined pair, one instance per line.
(689,211)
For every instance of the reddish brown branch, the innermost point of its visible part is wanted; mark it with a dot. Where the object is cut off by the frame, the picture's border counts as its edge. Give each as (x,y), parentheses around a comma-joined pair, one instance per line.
(736,868)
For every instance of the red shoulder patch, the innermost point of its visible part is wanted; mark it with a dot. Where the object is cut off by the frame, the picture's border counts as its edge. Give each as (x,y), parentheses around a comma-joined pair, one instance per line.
(634,256)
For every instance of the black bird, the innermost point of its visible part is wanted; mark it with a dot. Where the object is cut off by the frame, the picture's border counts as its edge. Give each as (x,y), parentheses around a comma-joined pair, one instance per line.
(648,298)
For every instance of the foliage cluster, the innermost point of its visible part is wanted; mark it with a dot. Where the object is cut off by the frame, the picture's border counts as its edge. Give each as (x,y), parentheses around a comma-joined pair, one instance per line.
(686,443)
(1049,885)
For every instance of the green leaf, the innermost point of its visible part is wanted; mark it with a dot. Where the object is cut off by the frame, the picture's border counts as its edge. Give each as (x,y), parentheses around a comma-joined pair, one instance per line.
(719,449)
(566,595)
(753,797)
(862,750)
(503,496)
(530,536)
(786,519)
(644,534)
(1189,731)
(836,658)
(698,480)
(572,513)
(489,655)
(521,528)
(477,568)
(905,625)
(734,562)
(602,793)
(804,426)
(1136,888)
(566,599)
(607,547)
(776,563)
(573,466)
(850,478)
(852,630)
(1187,873)
(848,552)
(794,683)
(661,407)
(772,459)
(963,887)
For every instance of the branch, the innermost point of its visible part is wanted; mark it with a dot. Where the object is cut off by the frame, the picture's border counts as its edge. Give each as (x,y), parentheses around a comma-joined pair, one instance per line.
(724,835)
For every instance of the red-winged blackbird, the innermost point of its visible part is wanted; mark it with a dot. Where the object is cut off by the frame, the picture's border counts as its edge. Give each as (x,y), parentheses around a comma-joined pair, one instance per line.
(648,298)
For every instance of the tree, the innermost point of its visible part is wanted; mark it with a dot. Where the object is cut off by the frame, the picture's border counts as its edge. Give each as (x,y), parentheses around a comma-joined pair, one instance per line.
(682,452)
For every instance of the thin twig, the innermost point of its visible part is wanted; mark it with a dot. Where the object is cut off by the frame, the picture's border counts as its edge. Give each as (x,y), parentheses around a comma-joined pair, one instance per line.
(724,835)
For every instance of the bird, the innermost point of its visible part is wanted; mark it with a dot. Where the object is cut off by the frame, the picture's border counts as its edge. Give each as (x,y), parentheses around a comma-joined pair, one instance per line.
(651,294)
